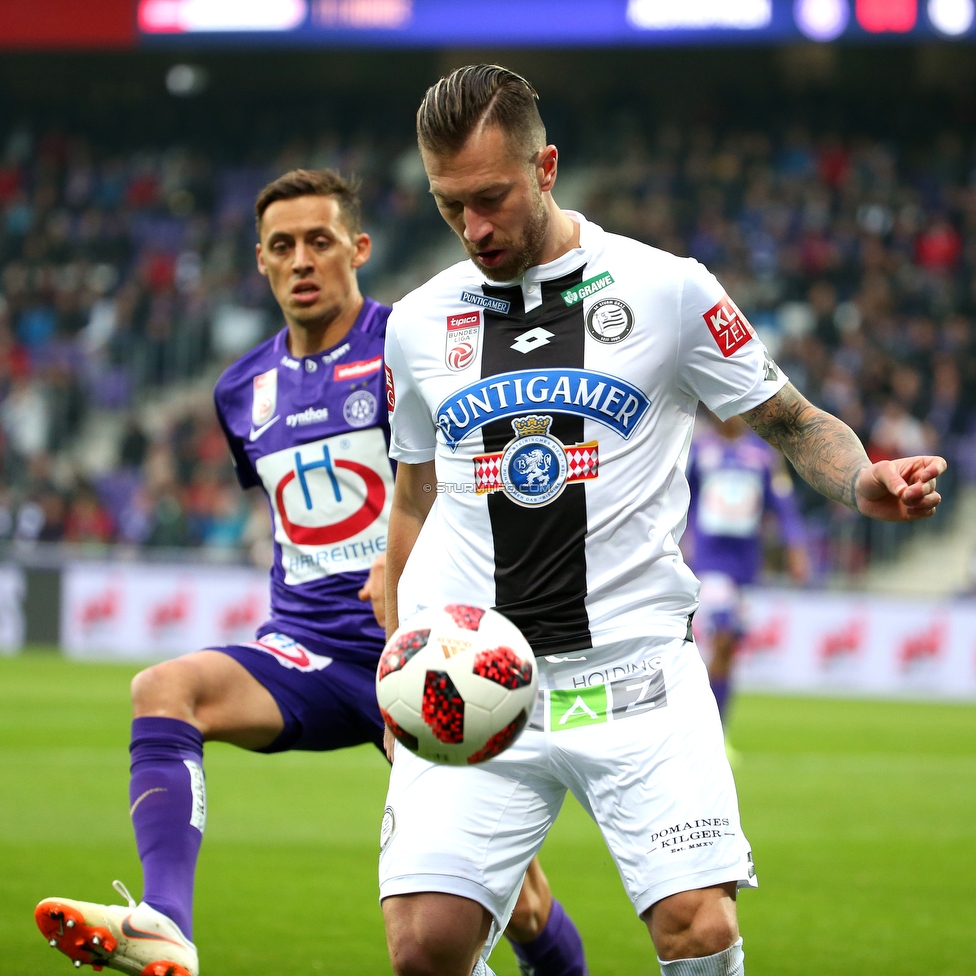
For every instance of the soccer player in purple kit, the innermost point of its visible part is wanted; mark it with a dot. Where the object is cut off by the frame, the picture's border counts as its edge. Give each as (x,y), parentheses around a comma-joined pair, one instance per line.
(305,416)
(735,477)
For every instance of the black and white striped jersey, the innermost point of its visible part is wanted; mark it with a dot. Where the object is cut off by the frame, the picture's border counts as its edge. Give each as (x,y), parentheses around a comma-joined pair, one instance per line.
(559,411)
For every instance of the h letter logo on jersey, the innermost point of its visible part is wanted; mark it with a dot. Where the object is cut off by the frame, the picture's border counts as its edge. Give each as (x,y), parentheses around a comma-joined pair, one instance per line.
(728,326)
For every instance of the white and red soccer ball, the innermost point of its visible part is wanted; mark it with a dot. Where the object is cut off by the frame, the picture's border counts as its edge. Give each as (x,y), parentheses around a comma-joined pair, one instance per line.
(457,685)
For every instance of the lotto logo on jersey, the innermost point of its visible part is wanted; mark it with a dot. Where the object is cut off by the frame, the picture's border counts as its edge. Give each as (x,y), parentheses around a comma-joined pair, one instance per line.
(390,389)
(331,502)
(463,335)
(264,397)
(729,327)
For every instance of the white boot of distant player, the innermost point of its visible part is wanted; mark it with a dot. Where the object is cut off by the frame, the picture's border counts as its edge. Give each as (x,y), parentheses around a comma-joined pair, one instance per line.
(730,962)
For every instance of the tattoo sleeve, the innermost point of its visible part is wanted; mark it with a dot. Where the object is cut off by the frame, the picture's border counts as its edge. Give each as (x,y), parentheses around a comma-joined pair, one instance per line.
(824,450)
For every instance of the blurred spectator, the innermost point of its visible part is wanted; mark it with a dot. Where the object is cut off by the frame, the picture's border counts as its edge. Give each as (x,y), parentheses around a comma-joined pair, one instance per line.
(87,520)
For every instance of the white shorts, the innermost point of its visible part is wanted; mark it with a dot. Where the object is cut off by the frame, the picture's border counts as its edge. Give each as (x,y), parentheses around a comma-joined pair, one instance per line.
(631,729)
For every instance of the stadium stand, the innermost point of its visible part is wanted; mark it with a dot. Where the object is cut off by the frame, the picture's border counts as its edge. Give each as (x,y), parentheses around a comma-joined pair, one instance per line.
(128,281)
(854,258)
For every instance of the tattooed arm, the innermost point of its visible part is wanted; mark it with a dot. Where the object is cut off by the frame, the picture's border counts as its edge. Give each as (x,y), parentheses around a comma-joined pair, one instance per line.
(828,455)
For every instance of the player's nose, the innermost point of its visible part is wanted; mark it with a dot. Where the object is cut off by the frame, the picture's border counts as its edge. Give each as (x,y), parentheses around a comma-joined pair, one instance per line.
(302,257)
(476,228)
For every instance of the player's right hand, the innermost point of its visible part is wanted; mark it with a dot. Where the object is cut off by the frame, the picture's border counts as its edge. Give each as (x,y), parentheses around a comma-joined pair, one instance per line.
(389,742)
(899,491)
(374,589)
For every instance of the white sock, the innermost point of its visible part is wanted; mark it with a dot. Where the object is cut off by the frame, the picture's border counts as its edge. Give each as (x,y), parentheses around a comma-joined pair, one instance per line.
(730,962)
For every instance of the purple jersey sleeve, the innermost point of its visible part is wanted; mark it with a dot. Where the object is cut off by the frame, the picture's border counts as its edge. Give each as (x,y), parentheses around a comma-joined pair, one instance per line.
(781,499)
(246,475)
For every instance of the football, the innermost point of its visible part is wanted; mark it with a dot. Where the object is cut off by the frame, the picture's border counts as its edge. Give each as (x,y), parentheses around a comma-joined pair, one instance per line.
(457,685)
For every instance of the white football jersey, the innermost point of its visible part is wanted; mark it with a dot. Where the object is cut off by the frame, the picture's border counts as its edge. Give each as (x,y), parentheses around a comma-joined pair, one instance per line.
(559,411)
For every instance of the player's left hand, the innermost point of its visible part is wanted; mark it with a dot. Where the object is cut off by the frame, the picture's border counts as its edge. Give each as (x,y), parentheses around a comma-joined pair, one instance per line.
(901,490)
(374,589)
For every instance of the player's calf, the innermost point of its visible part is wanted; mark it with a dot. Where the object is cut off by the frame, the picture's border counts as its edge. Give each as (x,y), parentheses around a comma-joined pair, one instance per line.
(176,705)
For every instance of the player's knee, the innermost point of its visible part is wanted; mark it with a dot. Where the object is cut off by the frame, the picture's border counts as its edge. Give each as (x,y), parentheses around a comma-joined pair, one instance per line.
(708,933)
(433,934)
(415,956)
(411,959)
(162,689)
(694,924)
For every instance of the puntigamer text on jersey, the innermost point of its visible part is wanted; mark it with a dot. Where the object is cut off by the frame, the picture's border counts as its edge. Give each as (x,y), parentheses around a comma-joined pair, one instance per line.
(609,400)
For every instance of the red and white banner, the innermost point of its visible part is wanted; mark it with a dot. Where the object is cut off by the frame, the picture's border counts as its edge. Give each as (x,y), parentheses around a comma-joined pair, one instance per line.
(144,612)
(851,644)
(798,642)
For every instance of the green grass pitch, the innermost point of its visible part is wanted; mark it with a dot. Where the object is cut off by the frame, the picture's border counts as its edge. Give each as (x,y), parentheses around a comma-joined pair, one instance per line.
(862,817)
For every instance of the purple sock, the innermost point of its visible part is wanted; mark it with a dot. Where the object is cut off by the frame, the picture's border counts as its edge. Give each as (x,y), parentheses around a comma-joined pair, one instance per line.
(556,951)
(720,688)
(168,809)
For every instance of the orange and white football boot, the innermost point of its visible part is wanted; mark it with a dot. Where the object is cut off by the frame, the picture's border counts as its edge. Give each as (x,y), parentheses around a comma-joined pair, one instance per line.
(134,939)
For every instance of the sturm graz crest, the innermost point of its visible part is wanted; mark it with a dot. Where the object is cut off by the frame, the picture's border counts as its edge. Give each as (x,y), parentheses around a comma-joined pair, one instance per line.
(533,466)
(610,320)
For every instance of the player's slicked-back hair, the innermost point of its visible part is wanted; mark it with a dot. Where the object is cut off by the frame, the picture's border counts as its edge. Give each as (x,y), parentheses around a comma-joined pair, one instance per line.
(480,94)
(313,183)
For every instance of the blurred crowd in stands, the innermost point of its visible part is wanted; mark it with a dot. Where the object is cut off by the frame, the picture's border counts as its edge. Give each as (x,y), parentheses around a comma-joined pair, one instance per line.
(124,275)
(855,260)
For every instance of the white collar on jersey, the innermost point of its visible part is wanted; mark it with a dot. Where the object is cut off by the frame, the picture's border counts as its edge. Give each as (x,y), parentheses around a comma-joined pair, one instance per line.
(590,235)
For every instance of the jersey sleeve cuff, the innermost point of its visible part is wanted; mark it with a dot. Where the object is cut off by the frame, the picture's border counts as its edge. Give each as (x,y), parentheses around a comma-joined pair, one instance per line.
(404,456)
(759,394)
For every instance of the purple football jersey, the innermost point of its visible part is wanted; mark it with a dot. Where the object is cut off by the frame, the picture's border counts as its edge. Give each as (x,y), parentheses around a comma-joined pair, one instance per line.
(733,483)
(314,434)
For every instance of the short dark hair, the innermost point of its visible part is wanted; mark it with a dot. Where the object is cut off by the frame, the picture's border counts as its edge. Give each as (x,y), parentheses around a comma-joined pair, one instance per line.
(477,93)
(313,183)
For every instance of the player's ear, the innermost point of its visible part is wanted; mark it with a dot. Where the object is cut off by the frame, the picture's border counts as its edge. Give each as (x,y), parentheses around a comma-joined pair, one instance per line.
(545,168)
(363,245)
(259,256)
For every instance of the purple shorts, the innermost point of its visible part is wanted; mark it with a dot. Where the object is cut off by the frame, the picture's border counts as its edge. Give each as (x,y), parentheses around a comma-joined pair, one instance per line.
(326,704)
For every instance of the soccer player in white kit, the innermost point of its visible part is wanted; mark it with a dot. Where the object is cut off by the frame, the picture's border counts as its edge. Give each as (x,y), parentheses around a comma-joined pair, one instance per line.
(544,393)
